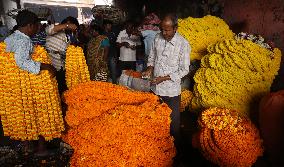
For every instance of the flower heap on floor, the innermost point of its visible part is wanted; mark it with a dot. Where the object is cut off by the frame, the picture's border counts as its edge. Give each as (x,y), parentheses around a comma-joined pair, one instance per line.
(113,126)
(76,66)
(227,139)
(186,97)
(234,74)
(201,32)
(30,104)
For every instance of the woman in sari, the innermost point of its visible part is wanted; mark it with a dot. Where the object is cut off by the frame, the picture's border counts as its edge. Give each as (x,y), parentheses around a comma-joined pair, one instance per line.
(97,55)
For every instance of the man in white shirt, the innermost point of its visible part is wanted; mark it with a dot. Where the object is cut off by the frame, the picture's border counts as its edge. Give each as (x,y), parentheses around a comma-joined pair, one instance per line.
(128,43)
(168,63)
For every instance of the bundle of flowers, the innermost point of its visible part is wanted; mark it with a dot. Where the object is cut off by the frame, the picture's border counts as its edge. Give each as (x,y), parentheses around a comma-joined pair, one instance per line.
(201,32)
(234,74)
(76,66)
(30,104)
(186,97)
(113,126)
(227,139)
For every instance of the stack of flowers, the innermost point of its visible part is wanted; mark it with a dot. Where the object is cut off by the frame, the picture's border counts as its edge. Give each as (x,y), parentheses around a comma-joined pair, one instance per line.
(113,126)
(30,104)
(234,74)
(76,66)
(186,97)
(201,32)
(227,139)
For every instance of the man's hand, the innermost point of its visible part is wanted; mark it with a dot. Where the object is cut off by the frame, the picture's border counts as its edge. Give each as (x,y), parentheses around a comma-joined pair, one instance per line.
(70,26)
(126,44)
(133,47)
(148,72)
(48,67)
(159,80)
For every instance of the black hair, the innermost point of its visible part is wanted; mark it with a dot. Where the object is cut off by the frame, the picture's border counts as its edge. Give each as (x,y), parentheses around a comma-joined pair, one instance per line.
(72,20)
(107,22)
(173,17)
(97,28)
(129,23)
(26,17)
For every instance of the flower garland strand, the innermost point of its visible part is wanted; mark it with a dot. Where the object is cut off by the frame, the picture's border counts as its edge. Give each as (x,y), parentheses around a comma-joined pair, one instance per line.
(26,110)
(113,126)
(201,32)
(186,97)
(233,74)
(76,67)
(227,139)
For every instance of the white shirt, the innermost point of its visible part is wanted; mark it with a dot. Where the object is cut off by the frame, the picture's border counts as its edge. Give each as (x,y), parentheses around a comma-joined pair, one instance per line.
(169,58)
(127,54)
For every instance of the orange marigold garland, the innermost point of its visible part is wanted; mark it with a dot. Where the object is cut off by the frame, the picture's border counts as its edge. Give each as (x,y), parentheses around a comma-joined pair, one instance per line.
(31,102)
(113,126)
(76,66)
(228,139)
(186,97)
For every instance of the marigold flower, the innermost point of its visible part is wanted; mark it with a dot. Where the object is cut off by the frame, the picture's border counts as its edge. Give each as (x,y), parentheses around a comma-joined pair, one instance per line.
(113,126)
(233,74)
(201,32)
(30,104)
(76,66)
(228,139)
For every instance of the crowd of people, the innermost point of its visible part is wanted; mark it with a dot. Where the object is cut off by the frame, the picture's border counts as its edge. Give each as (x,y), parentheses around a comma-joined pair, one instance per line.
(152,47)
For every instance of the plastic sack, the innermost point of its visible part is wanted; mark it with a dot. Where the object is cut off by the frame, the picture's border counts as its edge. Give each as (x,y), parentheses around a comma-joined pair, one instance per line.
(124,79)
(271,121)
(140,84)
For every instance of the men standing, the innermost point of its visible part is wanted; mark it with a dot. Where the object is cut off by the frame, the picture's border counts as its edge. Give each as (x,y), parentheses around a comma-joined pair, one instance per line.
(168,62)
(59,37)
(149,30)
(128,43)
(21,45)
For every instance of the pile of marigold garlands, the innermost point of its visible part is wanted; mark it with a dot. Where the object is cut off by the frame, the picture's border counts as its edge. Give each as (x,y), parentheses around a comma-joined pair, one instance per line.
(76,66)
(113,126)
(227,139)
(234,74)
(29,103)
(201,32)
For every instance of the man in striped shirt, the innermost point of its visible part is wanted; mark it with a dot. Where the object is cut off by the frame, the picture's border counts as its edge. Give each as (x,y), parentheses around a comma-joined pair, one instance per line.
(57,41)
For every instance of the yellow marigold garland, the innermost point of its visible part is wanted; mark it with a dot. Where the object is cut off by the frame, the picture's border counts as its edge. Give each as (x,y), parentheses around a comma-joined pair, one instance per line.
(228,139)
(233,74)
(113,126)
(186,97)
(31,102)
(201,32)
(76,67)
